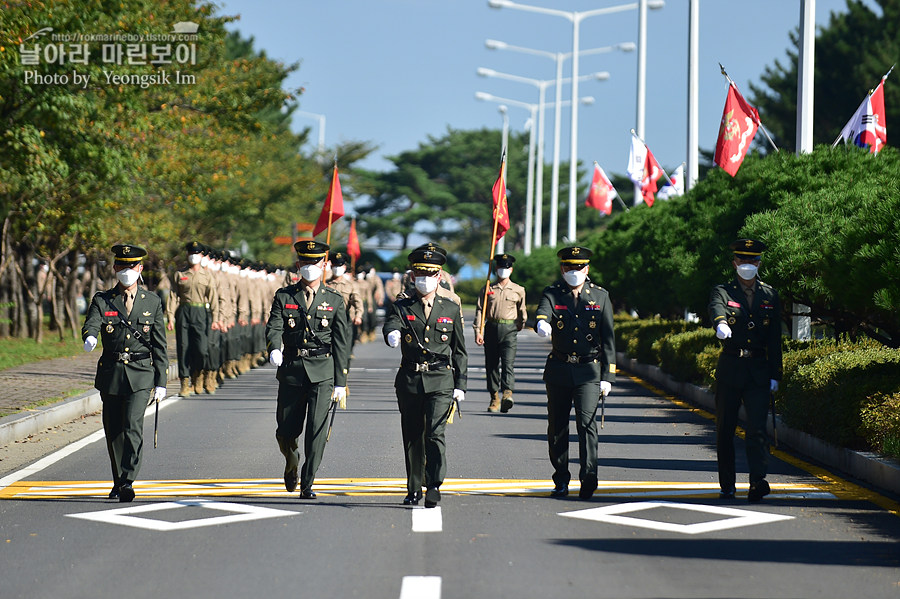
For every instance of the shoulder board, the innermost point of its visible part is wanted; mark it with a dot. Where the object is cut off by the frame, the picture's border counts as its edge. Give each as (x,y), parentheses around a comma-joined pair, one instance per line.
(332,291)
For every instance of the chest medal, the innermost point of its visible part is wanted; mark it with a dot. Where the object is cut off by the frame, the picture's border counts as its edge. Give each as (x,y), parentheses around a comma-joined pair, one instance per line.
(292,323)
(110,329)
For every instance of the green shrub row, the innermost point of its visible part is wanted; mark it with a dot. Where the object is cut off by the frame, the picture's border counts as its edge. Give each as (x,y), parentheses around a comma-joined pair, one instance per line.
(844,392)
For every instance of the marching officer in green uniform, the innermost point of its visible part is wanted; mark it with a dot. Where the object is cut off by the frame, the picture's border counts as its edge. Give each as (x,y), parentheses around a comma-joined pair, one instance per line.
(746,314)
(133,368)
(428,328)
(504,318)
(578,317)
(309,321)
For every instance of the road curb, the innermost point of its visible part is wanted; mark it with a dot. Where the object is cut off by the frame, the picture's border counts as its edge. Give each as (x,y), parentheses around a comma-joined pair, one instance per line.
(16,427)
(875,470)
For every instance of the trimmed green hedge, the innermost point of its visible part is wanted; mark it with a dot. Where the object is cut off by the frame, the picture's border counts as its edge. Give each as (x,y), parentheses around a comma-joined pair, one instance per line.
(844,392)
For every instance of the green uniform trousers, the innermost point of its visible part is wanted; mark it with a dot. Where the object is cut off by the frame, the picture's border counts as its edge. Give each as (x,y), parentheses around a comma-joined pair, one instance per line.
(500,356)
(191,339)
(560,399)
(423,421)
(309,402)
(123,423)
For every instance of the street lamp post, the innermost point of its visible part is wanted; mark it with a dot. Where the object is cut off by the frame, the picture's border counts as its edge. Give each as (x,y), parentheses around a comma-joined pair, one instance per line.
(321,119)
(531,146)
(576,18)
(558,58)
(539,204)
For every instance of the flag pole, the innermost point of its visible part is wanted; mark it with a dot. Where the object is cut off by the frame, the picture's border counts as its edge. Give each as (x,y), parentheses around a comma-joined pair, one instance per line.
(487,283)
(660,168)
(759,121)
(869,95)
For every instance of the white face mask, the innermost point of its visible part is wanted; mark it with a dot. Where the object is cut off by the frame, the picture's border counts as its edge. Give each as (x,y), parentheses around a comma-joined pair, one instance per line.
(204,261)
(339,271)
(311,272)
(128,277)
(747,271)
(396,276)
(574,278)
(504,273)
(426,285)
(194,258)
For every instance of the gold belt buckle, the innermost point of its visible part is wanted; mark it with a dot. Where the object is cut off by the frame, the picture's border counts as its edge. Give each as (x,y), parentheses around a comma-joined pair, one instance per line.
(572,359)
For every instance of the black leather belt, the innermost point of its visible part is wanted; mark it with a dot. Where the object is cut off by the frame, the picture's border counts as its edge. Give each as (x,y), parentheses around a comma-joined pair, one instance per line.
(574,358)
(425,366)
(129,356)
(745,353)
(293,353)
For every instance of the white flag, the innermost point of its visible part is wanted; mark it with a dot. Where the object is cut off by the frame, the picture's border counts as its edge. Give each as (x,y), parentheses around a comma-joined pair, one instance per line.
(675,188)
(637,159)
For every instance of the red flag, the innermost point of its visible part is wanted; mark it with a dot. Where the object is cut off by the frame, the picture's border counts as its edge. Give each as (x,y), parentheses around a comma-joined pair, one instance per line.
(602,192)
(739,124)
(501,208)
(652,172)
(334,205)
(353,242)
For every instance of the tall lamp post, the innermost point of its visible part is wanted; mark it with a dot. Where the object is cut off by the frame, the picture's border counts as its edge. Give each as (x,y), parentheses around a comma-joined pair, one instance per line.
(530,189)
(321,119)
(576,18)
(539,205)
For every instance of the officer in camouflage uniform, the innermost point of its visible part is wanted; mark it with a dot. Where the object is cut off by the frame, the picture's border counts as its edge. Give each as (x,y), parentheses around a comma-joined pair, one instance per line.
(310,321)
(578,317)
(428,328)
(505,317)
(134,366)
(746,314)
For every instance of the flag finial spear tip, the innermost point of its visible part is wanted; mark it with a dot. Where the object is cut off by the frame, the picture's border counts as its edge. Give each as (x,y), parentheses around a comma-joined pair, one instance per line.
(633,132)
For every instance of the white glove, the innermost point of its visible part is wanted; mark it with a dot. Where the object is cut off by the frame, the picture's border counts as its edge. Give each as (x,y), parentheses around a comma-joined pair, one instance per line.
(543,328)
(90,342)
(605,387)
(723,331)
(393,338)
(459,395)
(773,385)
(159,393)
(339,396)
(276,357)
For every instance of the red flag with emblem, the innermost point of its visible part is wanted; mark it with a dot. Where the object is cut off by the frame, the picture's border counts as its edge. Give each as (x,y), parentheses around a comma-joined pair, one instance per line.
(602,191)
(501,208)
(652,172)
(353,242)
(334,205)
(739,124)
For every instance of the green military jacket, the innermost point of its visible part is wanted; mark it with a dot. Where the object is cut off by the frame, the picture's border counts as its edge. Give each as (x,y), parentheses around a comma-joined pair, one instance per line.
(755,328)
(104,321)
(300,329)
(581,330)
(441,338)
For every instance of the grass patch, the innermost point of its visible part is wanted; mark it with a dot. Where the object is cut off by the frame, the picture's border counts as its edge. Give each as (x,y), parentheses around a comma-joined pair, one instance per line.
(15,352)
(46,402)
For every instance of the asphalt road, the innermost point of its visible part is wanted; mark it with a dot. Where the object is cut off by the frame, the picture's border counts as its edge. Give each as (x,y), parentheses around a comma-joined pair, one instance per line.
(212,517)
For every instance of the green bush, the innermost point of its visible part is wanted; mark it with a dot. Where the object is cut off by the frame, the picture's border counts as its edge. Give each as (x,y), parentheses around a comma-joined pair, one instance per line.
(881,423)
(825,397)
(639,340)
(679,354)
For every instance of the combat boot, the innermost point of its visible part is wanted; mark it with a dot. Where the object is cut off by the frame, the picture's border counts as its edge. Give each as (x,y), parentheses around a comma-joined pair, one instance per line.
(507,402)
(197,379)
(495,403)
(186,387)
(228,370)
(209,383)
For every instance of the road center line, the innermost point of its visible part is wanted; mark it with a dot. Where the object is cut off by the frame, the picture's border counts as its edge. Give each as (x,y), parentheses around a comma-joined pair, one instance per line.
(420,587)
(427,520)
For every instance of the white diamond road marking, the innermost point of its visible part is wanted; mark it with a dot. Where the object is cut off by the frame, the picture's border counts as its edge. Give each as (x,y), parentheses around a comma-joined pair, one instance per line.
(427,519)
(737,518)
(126,516)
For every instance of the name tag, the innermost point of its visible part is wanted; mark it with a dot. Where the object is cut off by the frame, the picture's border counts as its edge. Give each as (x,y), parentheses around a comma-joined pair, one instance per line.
(410,317)
(292,306)
(733,304)
(113,313)
(559,307)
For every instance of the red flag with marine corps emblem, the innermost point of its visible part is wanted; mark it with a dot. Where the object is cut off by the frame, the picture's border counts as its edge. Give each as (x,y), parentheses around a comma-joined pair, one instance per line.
(602,192)
(334,205)
(501,208)
(740,121)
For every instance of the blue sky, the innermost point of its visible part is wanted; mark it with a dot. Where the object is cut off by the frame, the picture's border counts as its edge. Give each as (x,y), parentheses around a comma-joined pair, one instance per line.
(393,72)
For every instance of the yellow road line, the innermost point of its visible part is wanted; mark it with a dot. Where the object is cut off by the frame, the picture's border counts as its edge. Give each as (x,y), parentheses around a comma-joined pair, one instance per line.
(843,489)
(375,487)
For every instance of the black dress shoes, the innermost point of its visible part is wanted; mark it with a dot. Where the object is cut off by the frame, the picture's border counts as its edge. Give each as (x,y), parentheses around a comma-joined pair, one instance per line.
(432,496)
(114,493)
(307,494)
(126,493)
(726,494)
(413,498)
(290,480)
(560,491)
(587,488)
(758,490)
